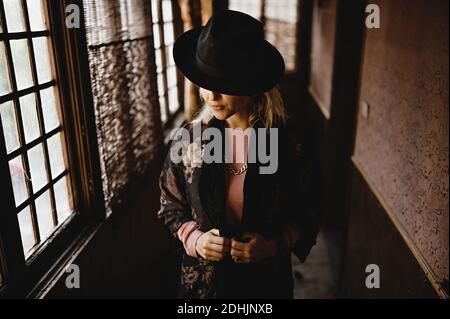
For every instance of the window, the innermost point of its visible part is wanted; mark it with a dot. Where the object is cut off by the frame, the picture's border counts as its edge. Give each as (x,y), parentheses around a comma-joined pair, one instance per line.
(281,28)
(280,24)
(32,127)
(38,145)
(251,7)
(164,37)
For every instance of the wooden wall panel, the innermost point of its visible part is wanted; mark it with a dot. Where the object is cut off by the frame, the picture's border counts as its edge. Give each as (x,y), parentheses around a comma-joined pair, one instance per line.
(373,239)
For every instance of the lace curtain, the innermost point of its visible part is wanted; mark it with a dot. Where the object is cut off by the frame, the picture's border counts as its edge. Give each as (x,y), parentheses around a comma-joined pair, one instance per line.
(123,76)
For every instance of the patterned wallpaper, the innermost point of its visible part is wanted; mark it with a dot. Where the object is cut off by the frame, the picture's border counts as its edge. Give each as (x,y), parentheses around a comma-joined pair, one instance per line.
(403,145)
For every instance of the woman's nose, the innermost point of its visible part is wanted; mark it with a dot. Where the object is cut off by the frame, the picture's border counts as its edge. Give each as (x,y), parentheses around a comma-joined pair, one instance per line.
(213,95)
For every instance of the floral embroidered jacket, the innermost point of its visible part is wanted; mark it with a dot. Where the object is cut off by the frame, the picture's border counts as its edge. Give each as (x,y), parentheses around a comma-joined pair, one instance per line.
(196,190)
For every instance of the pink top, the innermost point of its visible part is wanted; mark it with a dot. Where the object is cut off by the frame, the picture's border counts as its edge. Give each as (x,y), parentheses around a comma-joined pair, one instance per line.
(189,232)
(235,183)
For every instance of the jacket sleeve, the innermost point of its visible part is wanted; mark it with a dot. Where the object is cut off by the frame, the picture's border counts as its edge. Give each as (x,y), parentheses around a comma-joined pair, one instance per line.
(304,190)
(175,209)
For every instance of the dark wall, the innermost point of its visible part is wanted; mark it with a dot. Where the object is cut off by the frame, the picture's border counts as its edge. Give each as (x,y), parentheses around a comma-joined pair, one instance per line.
(399,200)
(403,143)
(323,33)
(336,33)
(373,239)
(401,71)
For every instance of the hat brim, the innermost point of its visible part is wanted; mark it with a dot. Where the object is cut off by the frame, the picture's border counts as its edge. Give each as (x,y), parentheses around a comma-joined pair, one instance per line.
(265,72)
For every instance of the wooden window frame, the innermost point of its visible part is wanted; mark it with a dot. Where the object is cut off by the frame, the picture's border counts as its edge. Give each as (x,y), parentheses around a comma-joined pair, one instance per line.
(177,30)
(24,277)
(263,19)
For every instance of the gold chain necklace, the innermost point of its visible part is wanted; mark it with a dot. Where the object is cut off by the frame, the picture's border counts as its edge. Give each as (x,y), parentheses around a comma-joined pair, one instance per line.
(233,171)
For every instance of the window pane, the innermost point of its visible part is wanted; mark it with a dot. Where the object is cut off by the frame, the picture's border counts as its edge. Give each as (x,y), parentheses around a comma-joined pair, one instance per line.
(63,199)
(44,215)
(285,11)
(4,74)
(162,104)
(168,33)
(26,229)
(167,10)
(43,67)
(173,100)
(55,154)
(170,54)
(9,125)
(18,176)
(155,10)
(156,39)
(14,15)
(160,84)
(37,167)
(21,59)
(158,59)
(29,117)
(36,13)
(251,7)
(171,76)
(49,109)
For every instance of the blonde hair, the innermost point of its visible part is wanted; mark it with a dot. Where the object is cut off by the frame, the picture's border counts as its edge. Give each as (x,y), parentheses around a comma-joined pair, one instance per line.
(268,107)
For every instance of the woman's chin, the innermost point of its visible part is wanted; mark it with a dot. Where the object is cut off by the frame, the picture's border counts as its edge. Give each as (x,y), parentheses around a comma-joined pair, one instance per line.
(220,115)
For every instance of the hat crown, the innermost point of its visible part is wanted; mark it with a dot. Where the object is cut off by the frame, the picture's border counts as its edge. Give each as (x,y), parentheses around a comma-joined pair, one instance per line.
(229,55)
(230,38)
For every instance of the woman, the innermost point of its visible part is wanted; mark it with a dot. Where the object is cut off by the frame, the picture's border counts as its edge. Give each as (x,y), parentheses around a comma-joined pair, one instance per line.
(236,225)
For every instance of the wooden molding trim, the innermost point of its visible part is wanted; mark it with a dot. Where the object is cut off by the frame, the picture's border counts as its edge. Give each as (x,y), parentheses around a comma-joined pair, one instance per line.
(318,102)
(404,234)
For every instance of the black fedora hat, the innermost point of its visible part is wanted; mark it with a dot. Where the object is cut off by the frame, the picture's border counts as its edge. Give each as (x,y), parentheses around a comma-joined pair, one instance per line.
(229,55)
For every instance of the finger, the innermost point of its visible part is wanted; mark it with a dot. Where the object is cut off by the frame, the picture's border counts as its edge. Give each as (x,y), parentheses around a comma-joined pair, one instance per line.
(219,240)
(240,254)
(242,260)
(212,258)
(217,248)
(239,246)
(249,237)
(222,248)
(213,254)
(215,232)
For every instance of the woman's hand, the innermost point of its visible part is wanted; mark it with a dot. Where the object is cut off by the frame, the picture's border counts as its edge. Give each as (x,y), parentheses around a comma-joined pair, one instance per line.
(211,246)
(252,247)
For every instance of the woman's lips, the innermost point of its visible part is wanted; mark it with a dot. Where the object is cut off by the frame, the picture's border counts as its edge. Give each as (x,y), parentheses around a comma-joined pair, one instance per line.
(217,107)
